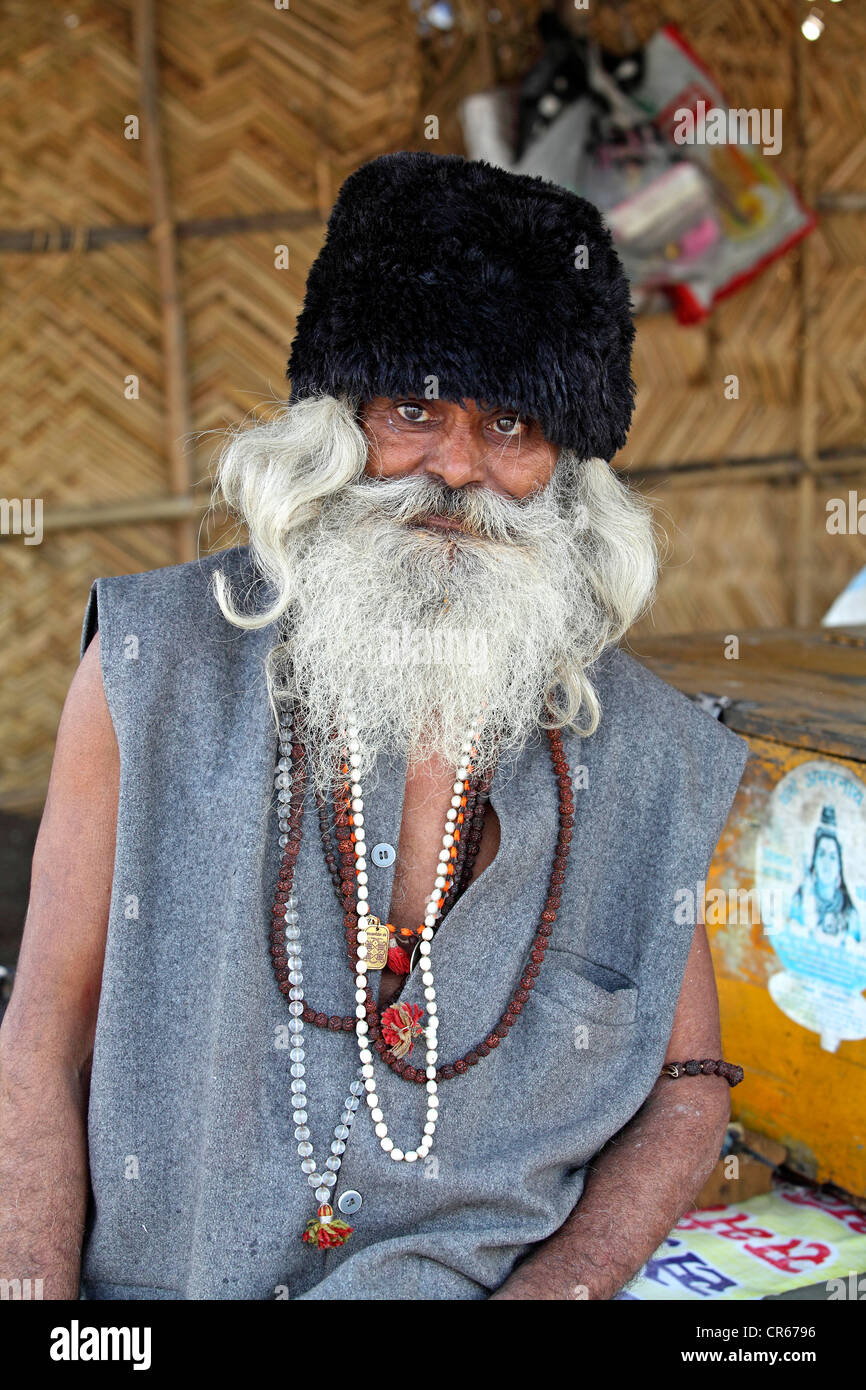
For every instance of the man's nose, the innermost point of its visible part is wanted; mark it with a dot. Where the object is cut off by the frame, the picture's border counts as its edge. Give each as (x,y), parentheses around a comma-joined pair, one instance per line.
(457,455)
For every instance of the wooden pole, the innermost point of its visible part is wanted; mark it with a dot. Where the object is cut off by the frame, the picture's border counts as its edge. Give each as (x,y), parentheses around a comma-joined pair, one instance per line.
(485,59)
(178,413)
(806,519)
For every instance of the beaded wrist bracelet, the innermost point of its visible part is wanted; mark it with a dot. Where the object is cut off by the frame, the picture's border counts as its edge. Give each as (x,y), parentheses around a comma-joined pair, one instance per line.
(729,1070)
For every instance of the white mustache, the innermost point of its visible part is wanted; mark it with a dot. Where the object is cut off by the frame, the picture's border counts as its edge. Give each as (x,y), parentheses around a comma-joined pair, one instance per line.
(477,510)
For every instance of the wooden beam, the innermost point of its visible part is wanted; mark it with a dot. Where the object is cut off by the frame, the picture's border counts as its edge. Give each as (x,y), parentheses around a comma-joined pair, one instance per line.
(841,202)
(713,471)
(51,240)
(134,512)
(716,475)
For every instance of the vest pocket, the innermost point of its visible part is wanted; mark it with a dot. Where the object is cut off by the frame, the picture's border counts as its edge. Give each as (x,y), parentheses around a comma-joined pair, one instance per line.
(590,990)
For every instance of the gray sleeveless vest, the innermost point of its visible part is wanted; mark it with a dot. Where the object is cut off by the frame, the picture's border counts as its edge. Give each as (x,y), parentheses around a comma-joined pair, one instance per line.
(196,1185)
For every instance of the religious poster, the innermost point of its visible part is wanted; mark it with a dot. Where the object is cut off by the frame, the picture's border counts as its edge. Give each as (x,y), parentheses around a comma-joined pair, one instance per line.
(811,878)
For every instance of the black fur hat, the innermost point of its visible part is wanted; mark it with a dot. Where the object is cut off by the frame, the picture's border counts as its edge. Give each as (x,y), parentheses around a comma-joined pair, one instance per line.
(447,277)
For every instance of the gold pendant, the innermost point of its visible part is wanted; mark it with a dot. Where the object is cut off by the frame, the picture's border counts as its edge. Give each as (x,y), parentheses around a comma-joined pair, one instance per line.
(378,942)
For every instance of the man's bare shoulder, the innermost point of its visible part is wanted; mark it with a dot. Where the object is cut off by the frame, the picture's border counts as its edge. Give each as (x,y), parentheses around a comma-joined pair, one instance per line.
(53,1008)
(85,711)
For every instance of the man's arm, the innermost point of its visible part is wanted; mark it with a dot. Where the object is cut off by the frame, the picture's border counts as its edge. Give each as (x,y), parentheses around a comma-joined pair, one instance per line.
(649,1174)
(46,1041)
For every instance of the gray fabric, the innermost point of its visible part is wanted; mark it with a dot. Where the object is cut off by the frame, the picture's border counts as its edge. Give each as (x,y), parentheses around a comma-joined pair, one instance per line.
(189,1088)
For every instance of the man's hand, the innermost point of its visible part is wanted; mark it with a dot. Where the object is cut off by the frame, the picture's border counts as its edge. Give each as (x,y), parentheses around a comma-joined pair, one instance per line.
(649,1174)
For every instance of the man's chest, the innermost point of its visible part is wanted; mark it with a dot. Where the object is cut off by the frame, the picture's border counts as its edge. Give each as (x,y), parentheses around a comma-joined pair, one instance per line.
(426,801)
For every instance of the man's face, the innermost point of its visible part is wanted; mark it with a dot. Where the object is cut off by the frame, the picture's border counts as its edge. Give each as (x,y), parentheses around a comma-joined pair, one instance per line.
(457,444)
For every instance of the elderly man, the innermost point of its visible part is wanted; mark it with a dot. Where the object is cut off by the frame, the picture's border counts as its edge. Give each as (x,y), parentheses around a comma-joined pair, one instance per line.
(356,965)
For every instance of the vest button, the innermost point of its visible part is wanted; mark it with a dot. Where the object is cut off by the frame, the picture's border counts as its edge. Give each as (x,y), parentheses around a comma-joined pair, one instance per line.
(383,855)
(349,1202)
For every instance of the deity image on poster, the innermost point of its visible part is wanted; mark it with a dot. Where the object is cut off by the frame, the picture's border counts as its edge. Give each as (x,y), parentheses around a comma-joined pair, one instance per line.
(822,903)
(811,870)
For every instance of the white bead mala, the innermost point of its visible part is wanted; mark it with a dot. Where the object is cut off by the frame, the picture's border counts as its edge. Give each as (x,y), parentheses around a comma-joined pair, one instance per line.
(351,751)
(324,1180)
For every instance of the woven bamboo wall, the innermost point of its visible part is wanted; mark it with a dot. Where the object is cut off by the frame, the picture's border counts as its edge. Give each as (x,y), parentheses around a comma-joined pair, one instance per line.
(262,112)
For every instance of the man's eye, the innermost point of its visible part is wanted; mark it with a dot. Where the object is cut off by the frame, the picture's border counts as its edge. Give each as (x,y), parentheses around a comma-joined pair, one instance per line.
(509,424)
(415,414)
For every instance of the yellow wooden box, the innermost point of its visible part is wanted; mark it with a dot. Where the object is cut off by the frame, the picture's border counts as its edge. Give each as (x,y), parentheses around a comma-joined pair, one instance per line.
(785,898)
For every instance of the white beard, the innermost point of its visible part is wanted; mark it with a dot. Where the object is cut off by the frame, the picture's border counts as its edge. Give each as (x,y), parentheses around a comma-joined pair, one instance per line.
(413,631)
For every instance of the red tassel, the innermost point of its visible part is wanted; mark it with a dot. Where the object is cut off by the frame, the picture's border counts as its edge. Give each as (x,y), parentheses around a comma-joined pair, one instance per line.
(325,1230)
(398,961)
(400,1024)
